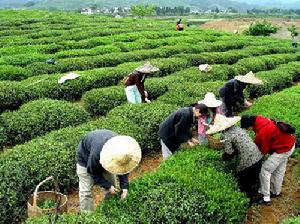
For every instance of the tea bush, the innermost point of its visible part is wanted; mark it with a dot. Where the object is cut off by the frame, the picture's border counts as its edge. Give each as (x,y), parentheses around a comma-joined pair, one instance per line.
(37,118)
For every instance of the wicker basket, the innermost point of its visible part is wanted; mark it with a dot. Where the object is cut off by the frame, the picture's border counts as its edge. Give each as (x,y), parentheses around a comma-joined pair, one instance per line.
(214,143)
(61,201)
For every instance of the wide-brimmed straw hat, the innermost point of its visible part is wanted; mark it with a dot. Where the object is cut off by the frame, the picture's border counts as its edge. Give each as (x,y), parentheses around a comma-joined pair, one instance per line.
(210,100)
(221,123)
(147,68)
(120,154)
(249,78)
(205,68)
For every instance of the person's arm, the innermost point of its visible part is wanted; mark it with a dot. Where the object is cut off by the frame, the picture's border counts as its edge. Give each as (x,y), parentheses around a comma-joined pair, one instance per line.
(124,183)
(238,90)
(95,170)
(229,151)
(140,85)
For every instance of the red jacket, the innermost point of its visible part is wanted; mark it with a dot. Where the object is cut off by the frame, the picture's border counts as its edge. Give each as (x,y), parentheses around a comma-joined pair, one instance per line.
(269,138)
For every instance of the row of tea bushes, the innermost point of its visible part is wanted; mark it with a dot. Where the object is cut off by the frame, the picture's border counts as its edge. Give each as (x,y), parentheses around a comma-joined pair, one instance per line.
(111,59)
(100,101)
(37,118)
(193,186)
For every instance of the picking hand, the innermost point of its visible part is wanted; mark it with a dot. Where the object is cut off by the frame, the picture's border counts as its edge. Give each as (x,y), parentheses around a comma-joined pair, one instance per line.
(124,194)
(113,190)
(248,104)
(148,101)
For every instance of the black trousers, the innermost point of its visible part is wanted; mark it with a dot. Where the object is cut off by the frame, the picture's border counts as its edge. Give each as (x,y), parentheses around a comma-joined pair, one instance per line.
(249,179)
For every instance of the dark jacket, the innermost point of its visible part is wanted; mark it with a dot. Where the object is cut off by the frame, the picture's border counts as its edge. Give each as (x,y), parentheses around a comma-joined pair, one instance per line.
(176,129)
(138,79)
(88,155)
(232,91)
(269,138)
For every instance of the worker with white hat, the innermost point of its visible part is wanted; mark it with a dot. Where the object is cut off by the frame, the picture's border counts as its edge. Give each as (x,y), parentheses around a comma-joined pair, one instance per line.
(101,156)
(232,92)
(210,106)
(134,83)
(237,143)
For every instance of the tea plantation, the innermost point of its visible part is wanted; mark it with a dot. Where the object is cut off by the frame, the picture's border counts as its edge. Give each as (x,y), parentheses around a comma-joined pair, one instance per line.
(42,120)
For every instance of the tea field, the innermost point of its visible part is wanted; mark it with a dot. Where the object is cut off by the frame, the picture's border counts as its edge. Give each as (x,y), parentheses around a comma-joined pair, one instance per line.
(42,120)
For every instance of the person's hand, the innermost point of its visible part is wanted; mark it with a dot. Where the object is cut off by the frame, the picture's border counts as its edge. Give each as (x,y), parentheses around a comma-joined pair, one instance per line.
(113,190)
(195,141)
(247,104)
(147,100)
(191,143)
(124,194)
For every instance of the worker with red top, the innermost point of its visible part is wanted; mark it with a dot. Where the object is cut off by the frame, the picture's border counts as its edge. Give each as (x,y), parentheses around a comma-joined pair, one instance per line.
(280,144)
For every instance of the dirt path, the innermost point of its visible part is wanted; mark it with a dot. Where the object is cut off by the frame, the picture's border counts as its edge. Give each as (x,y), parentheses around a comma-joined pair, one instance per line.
(282,207)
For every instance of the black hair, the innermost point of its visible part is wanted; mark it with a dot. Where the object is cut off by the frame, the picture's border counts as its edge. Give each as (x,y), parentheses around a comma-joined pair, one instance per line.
(202,108)
(248,121)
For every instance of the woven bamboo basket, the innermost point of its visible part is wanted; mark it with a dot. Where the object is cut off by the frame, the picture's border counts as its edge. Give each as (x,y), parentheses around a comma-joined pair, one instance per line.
(32,205)
(214,143)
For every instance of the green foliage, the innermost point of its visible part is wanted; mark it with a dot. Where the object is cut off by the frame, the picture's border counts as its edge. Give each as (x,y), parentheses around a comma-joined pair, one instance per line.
(186,189)
(187,93)
(142,10)
(37,118)
(100,101)
(293,31)
(147,116)
(263,28)
(295,220)
(47,204)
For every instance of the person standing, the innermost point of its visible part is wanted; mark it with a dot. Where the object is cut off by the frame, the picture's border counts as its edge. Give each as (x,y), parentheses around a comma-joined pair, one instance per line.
(232,93)
(101,156)
(270,139)
(176,129)
(134,84)
(237,143)
(209,107)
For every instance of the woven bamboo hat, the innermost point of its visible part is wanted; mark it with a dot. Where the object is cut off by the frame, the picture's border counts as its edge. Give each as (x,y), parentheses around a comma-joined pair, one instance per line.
(210,100)
(205,68)
(147,68)
(249,78)
(120,154)
(221,123)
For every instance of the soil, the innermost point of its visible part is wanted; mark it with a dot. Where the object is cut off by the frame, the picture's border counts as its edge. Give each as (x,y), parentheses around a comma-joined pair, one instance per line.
(239,25)
(287,205)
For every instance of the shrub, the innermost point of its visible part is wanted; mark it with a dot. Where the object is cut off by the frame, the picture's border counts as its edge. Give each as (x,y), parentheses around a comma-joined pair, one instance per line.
(100,101)
(295,220)
(276,79)
(147,116)
(263,28)
(187,93)
(39,117)
(186,189)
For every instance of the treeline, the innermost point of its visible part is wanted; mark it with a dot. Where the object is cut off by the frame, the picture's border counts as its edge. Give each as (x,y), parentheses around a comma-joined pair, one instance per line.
(179,10)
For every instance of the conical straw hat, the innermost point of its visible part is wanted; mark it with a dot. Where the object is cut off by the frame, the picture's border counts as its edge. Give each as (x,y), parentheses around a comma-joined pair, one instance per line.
(221,123)
(205,68)
(210,100)
(120,154)
(147,68)
(249,78)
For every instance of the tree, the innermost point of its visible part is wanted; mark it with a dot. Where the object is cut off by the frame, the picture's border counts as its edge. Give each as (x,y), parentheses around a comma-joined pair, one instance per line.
(29,4)
(261,29)
(293,31)
(142,10)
